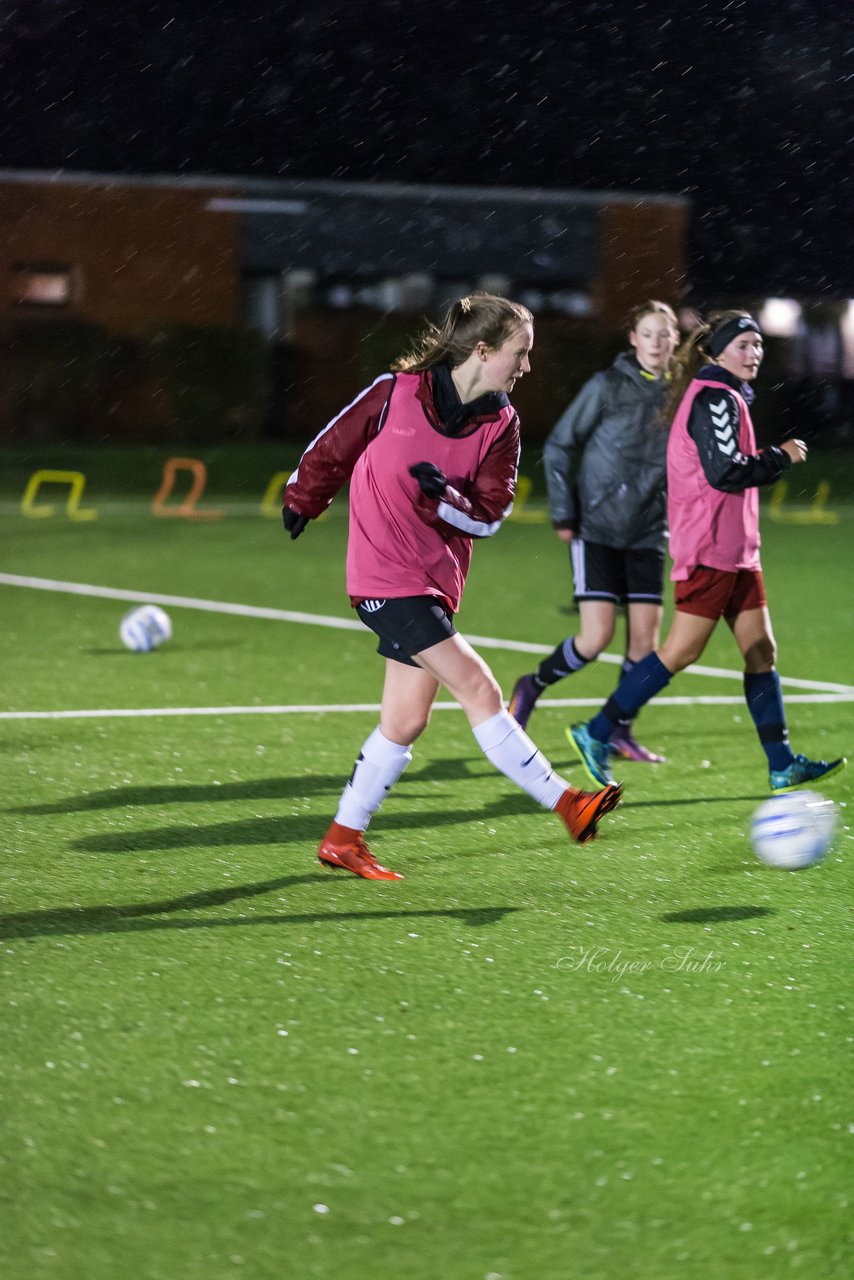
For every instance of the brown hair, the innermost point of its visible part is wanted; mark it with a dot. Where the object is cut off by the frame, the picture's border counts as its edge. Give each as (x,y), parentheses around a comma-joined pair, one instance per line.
(652,306)
(690,356)
(479,317)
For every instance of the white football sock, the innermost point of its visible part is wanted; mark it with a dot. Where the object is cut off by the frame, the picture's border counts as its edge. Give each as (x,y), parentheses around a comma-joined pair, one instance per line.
(377,769)
(509,748)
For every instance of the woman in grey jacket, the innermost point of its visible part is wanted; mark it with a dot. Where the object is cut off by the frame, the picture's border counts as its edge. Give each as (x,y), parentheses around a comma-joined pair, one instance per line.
(605,466)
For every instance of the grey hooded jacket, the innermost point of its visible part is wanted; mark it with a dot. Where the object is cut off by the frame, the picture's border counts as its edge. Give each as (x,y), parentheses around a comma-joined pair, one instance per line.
(605,460)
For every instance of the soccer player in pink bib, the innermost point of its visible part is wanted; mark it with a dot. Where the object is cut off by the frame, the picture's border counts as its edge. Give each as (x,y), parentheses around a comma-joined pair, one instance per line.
(431,451)
(713,476)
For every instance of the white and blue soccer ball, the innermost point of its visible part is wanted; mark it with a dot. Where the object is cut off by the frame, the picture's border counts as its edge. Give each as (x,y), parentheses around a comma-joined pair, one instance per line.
(145,628)
(793,830)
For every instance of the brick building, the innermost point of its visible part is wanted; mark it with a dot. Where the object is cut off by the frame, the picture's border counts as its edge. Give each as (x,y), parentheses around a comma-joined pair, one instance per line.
(308,269)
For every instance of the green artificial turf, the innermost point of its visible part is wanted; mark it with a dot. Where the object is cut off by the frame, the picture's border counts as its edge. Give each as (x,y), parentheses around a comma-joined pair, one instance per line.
(526,1061)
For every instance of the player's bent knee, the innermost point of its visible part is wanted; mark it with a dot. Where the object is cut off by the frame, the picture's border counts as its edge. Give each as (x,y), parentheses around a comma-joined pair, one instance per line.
(403,734)
(592,643)
(404,729)
(761,657)
(481,694)
(677,660)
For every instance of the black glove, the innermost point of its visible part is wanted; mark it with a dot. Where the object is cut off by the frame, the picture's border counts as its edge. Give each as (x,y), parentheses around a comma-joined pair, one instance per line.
(293,522)
(431,479)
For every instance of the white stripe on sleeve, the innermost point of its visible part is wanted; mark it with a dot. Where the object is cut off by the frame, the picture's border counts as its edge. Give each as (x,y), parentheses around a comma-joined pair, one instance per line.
(474,528)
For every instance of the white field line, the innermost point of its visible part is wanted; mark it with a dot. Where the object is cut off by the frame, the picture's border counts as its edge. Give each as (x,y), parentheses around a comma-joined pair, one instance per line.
(181,602)
(132,713)
(826,691)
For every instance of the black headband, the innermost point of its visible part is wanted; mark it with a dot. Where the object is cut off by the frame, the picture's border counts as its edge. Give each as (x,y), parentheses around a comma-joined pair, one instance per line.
(715,341)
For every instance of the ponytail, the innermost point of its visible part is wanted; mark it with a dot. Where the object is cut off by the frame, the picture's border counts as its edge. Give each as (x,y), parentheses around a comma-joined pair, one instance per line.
(479,317)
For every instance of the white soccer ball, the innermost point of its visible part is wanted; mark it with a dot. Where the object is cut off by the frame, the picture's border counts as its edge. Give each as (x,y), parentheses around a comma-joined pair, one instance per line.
(145,628)
(793,830)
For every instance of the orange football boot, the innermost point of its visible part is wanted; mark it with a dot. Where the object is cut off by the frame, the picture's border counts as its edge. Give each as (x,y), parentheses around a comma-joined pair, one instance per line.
(581,810)
(344,849)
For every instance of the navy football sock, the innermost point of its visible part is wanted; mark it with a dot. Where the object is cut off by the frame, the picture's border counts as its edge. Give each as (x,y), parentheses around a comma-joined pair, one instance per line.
(646,678)
(765,703)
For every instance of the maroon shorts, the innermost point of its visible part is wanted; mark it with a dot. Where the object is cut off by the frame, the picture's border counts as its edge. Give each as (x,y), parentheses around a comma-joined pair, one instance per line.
(715,593)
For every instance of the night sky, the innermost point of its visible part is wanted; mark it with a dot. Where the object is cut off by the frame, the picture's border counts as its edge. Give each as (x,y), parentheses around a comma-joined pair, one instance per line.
(745,107)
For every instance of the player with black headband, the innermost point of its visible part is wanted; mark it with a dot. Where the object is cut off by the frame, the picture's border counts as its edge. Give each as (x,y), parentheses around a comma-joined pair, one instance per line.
(713,476)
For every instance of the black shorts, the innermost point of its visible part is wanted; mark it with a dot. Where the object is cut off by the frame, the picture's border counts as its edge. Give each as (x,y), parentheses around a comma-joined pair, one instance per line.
(617,574)
(407,625)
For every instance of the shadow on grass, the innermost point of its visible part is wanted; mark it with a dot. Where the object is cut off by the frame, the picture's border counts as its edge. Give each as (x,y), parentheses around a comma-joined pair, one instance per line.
(683,800)
(307,828)
(296,829)
(714,915)
(457,769)
(284,788)
(136,917)
(301,786)
(452,770)
(193,793)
